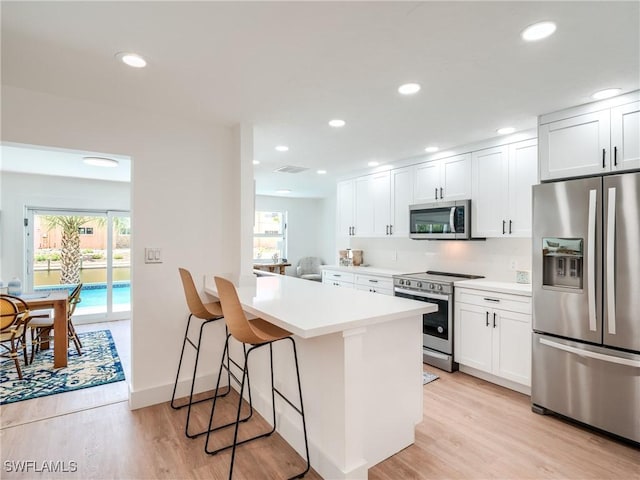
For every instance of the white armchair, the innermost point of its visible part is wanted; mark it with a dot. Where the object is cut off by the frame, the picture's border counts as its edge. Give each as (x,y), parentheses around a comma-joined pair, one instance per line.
(309,268)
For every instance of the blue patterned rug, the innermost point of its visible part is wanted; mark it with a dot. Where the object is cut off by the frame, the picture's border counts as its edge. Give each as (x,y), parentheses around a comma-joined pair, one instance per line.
(428,377)
(99,364)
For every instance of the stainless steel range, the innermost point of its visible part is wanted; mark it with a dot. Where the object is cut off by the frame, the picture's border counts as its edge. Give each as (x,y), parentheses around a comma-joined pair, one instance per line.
(437,327)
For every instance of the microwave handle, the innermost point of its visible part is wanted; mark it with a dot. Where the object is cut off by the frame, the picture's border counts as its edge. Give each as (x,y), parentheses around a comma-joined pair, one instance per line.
(452,215)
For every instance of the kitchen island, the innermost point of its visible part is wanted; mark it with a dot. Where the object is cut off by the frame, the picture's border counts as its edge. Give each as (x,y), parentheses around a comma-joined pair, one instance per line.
(360,357)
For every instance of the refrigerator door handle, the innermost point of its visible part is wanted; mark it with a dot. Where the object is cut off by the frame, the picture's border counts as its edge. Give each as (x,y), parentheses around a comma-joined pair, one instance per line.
(611,266)
(591,260)
(589,354)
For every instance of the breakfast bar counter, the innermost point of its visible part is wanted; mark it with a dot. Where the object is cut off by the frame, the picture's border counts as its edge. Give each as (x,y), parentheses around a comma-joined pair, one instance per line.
(360,358)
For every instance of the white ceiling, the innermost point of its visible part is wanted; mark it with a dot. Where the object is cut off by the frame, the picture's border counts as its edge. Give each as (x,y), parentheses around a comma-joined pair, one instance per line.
(290,67)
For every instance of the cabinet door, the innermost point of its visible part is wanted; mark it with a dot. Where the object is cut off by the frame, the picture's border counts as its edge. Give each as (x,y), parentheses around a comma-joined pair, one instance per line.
(345,207)
(401,198)
(523,174)
(512,346)
(381,203)
(364,206)
(455,177)
(625,136)
(489,192)
(574,147)
(427,182)
(473,337)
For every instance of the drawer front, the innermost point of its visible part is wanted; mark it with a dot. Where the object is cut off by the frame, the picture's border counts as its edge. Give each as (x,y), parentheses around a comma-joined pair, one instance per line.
(374,281)
(338,276)
(338,283)
(374,289)
(502,301)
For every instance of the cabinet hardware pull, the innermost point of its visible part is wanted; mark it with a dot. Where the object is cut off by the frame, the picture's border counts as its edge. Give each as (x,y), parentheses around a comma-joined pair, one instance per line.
(336,275)
(390,229)
(510,222)
(387,229)
(487,320)
(615,156)
(604,152)
(504,223)
(373,281)
(436,193)
(497,300)
(494,319)
(441,193)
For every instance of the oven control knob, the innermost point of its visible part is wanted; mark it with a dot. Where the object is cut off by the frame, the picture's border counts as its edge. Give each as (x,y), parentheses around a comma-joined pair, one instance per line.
(419,285)
(431,286)
(407,283)
(400,282)
(439,287)
(440,330)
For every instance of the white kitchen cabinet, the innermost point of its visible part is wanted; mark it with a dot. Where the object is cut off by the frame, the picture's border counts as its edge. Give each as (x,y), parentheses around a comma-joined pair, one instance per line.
(372,205)
(593,139)
(501,189)
(493,333)
(401,198)
(443,180)
(338,278)
(345,210)
(375,283)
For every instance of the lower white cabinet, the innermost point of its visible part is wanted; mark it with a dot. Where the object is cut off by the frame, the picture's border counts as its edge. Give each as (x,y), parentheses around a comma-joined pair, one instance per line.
(375,284)
(338,278)
(493,333)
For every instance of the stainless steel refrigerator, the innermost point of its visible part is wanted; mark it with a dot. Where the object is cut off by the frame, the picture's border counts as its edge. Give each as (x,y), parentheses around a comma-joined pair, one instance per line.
(586,301)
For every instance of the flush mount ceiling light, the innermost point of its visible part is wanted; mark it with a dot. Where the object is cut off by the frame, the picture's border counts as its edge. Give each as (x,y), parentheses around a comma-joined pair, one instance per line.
(283,191)
(256,162)
(409,88)
(321,172)
(538,31)
(100,162)
(131,59)
(373,164)
(337,123)
(505,130)
(282,148)
(609,92)
(431,149)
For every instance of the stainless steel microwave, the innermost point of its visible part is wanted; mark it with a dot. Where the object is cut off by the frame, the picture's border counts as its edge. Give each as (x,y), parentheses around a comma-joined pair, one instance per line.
(440,221)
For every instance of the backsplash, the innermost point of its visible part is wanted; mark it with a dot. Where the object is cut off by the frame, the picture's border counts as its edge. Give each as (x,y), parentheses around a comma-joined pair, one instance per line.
(494,258)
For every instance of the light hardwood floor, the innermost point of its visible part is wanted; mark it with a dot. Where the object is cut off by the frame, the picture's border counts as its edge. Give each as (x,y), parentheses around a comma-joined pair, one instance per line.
(471,429)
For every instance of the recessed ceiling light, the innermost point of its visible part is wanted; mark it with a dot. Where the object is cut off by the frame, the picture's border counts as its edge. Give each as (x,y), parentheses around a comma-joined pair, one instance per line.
(256,162)
(409,88)
(100,162)
(538,31)
(321,172)
(505,130)
(282,148)
(431,149)
(132,59)
(337,123)
(373,164)
(609,92)
(283,191)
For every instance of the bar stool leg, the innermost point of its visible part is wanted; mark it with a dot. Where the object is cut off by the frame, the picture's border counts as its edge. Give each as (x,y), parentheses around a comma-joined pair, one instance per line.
(304,423)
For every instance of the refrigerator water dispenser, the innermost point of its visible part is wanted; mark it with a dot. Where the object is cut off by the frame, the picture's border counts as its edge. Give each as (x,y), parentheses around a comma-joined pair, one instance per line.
(562,263)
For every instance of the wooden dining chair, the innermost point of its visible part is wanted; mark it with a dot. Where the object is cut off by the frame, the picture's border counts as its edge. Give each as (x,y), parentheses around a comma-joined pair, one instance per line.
(14,319)
(42,326)
(256,333)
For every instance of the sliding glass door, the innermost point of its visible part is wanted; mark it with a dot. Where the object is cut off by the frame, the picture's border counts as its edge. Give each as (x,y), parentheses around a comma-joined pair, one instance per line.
(65,248)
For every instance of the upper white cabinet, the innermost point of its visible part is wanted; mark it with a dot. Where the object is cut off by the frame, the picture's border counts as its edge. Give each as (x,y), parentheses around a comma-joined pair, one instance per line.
(401,198)
(372,205)
(597,138)
(501,189)
(443,180)
(345,208)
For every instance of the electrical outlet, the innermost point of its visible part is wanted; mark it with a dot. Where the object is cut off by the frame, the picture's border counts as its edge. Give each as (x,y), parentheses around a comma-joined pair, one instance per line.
(513,264)
(523,276)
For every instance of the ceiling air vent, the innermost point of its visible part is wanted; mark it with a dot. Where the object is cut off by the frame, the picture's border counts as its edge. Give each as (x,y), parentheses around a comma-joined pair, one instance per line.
(290,169)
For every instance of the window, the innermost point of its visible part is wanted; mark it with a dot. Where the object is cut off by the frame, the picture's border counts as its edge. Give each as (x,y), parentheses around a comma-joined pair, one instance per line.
(85,230)
(269,236)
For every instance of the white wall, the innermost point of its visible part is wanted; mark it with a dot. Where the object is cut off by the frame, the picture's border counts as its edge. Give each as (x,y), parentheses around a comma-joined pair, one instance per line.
(307,226)
(18,190)
(184,199)
(491,258)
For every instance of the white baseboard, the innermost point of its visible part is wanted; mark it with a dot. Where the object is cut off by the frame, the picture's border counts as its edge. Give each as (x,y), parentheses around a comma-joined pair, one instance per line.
(162,393)
(503,382)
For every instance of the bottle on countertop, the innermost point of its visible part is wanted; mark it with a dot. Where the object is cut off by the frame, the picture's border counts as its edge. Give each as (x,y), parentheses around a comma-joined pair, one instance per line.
(14,287)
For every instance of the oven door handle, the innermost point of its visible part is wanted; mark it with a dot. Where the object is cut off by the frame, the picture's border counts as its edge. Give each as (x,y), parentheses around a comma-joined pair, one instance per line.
(421,294)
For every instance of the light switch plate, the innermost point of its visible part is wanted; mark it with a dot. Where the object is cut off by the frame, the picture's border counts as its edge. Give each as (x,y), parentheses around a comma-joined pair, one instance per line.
(523,276)
(152,255)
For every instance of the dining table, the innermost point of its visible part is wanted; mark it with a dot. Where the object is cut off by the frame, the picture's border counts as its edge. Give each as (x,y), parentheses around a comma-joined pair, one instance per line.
(272,267)
(58,300)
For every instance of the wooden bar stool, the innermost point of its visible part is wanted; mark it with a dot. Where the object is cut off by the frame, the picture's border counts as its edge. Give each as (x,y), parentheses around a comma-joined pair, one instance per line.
(209,312)
(257,333)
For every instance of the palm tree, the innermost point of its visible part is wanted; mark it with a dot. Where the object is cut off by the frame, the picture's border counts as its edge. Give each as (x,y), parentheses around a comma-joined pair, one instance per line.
(70,248)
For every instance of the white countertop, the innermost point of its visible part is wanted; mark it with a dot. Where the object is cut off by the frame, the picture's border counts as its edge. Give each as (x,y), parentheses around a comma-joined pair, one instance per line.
(310,309)
(364,270)
(494,286)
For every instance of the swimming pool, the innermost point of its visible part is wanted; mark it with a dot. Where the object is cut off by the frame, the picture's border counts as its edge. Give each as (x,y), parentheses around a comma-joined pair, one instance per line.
(95,294)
